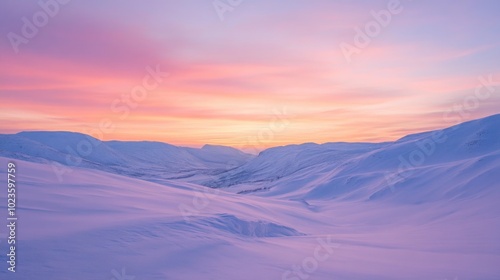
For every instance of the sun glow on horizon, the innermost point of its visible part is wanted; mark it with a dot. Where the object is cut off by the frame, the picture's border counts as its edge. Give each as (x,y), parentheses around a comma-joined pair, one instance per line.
(256,79)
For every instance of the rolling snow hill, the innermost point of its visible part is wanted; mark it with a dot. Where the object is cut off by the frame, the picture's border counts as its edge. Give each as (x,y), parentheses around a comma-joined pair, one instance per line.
(423,207)
(146,160)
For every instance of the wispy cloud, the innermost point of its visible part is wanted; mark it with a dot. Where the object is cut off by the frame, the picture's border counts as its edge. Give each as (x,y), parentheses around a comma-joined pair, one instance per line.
(228,76)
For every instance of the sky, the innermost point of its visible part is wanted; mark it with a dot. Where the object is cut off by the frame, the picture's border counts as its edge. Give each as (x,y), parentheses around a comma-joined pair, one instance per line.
(247,73)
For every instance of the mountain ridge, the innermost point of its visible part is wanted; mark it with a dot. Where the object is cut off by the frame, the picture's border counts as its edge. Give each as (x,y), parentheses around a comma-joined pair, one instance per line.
(226,167)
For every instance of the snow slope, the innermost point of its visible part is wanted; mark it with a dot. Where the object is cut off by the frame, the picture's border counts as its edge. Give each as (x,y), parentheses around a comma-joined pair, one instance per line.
(153,161)
(331,211)
(95,223)
(466,154)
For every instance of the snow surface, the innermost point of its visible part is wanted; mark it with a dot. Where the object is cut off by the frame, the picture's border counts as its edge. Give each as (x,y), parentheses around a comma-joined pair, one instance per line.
(330,211)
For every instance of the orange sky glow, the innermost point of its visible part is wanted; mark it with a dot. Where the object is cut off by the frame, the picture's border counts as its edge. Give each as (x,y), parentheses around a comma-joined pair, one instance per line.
(254,79)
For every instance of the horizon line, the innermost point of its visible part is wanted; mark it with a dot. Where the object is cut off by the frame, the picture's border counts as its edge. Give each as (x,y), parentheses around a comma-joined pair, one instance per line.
(243,150)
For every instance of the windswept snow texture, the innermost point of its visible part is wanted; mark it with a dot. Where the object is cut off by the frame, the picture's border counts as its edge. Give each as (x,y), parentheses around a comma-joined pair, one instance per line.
(423,207)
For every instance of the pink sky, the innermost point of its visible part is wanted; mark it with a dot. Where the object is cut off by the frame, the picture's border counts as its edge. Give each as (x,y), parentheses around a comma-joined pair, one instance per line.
(268,74)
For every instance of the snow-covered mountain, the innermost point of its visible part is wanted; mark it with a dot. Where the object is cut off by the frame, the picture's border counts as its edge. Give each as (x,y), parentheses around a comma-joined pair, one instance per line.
(423,207)
(147,160)
(364,171)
